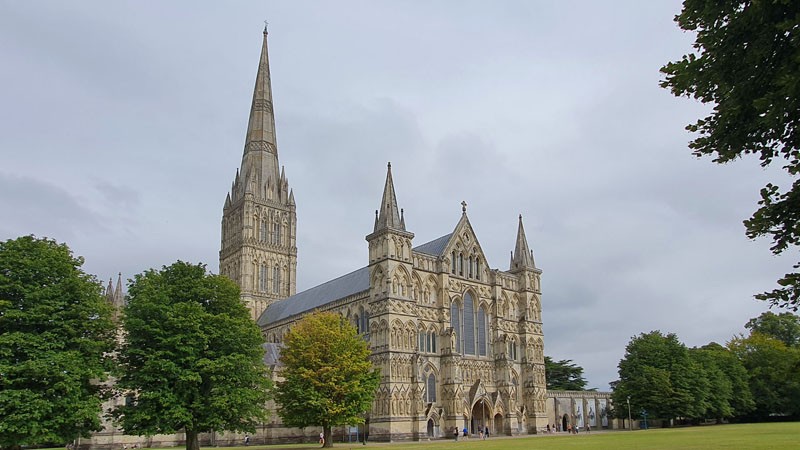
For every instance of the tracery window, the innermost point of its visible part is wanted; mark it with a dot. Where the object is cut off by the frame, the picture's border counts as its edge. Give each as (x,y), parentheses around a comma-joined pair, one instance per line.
(430,389)
(455,323)
(262,230)
(262,278)
(469,325)
(482,332)
(276,279)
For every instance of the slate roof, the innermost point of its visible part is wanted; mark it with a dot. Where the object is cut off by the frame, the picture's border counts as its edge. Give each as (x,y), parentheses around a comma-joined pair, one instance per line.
(344,286)
(434,247)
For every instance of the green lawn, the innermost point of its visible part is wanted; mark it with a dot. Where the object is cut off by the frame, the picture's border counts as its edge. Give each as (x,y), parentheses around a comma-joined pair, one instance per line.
(746,436)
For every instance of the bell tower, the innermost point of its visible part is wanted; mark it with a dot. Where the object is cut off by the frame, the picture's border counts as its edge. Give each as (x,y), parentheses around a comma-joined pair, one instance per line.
(259,219)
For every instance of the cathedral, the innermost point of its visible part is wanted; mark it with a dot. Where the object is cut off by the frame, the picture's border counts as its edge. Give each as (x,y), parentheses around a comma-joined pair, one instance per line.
(459,344)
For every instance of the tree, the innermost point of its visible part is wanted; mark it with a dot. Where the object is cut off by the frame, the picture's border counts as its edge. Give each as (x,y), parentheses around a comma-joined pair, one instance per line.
(55,334)
(563,375)
(739,399)
(774,374)
(192,358)
(659,376)
(784,327)
(328,378)
(748,66)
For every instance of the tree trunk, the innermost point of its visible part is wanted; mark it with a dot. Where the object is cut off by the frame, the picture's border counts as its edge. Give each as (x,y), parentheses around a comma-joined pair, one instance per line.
(326,430)
(192,442)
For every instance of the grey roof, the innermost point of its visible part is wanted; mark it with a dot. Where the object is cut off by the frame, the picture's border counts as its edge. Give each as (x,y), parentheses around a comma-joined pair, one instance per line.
(344,286)
(434,247)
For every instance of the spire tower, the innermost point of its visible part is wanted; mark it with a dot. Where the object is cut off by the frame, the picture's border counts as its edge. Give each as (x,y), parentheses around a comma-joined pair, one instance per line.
(522,258)
(259,218)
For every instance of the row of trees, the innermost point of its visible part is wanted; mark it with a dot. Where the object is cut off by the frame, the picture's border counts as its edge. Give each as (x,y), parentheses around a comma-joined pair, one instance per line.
(753,377)
(186,355)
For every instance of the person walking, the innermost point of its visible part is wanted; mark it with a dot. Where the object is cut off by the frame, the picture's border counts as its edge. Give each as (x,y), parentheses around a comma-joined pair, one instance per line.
(455,433)
(485,432)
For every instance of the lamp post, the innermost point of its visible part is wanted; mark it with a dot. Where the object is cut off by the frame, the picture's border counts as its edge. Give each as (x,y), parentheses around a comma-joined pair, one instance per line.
(630,422)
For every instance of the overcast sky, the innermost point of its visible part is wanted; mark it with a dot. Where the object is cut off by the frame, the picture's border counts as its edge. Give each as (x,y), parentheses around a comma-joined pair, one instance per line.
(122,125)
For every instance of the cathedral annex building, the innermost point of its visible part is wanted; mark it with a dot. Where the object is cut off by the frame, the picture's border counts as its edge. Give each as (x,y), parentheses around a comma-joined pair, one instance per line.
(459,344)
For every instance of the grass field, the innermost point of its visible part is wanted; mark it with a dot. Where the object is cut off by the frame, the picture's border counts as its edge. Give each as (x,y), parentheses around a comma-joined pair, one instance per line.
(745,436)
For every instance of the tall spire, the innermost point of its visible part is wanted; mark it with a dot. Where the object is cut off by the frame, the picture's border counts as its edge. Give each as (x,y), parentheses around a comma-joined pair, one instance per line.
(389,215)
(522,258)
(260,159)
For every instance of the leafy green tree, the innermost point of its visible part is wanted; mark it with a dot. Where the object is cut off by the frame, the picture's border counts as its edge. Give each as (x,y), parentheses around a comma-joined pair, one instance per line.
(747,64)
(659,376)
(192,358)
(774,374)
(55,334)
(563,375)
(328,378)
(739,399)
(784,327)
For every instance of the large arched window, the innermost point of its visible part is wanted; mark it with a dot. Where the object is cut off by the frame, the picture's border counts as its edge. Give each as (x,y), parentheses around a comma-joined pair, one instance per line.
(482,331)
(455,323)
(363,326)
(262,278)
(276,232)
(469,325)
(276,279)
(262,230)
(430,388)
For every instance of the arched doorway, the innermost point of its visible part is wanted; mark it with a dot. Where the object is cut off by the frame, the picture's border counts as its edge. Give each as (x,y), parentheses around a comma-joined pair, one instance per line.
(564,422)
(481,416)
(498,425)
(430,428)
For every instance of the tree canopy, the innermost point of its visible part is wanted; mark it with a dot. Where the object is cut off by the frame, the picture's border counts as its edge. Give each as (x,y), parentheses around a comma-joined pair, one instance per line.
(660,377)
(563,375)
(784,327)
(747,64)
(55,333)
(773,373)
(192,358)
(328,378)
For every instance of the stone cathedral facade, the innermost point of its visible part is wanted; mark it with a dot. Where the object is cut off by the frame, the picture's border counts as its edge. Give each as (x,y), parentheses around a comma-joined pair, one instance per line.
(459,344)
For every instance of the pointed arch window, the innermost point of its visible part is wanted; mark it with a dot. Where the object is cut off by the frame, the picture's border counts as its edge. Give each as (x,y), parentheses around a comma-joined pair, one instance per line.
(276,279)
(455,323)
(276,232)
(461,264)
(453,263)
(262,278)
(477,268)
(430,388)
(469,324)
(262,230)
(482,332)
(471,261)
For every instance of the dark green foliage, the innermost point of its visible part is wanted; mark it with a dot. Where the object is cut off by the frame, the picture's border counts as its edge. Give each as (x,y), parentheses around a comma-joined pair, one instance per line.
(55,333)
(563,375)
(784,327)
(328,378)
(747,64)
(659,376)
(192,357)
